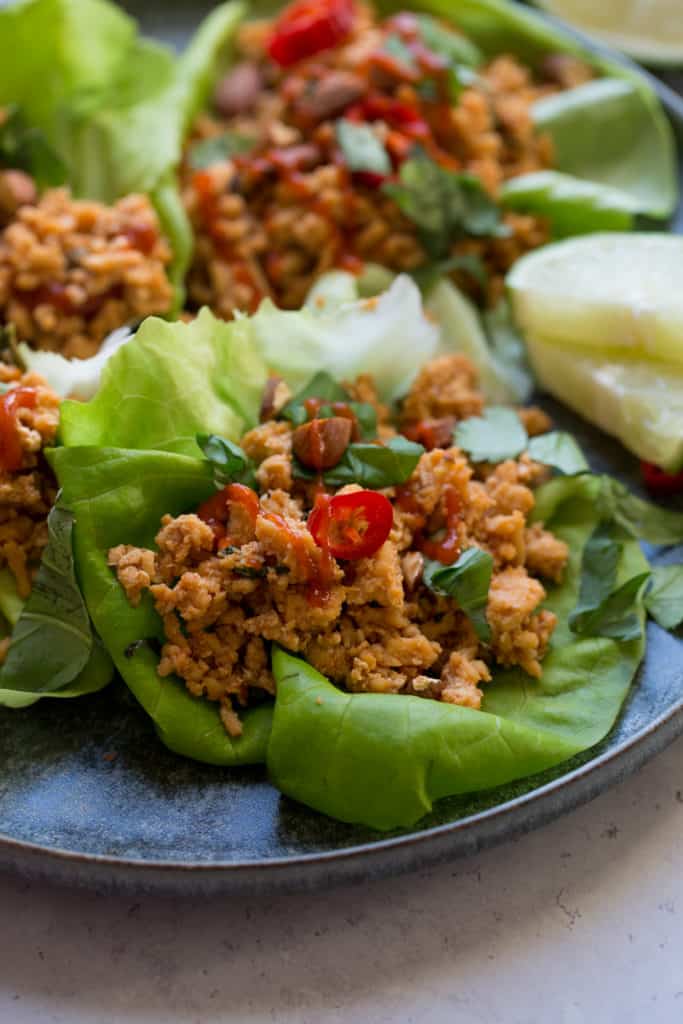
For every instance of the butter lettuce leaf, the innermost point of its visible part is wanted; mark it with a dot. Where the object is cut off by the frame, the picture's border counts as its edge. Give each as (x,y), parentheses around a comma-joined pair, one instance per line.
(571,205)
(382,760)
(119,496)
(169,383)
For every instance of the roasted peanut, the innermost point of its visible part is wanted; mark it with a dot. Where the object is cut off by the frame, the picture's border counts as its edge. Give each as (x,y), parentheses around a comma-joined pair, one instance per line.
(320,444)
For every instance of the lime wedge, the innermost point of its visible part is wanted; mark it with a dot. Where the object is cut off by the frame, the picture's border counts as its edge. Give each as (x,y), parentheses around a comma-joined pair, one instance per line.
(615,291)
(649,30)
(640,403)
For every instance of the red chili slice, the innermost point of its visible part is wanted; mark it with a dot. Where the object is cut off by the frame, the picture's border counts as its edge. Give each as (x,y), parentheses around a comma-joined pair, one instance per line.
(11,453)
(351,526)
(659,482)
(447,550)
(307,27)
(216,510)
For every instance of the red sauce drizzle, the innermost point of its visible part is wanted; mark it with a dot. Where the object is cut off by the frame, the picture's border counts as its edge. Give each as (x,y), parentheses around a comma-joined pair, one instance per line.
(319,575)
(447,550)
(142,237)
(11,452)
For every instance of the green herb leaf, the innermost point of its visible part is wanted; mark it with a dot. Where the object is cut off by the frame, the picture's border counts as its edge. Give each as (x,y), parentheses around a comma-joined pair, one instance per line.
(219,148)
(603,609)
(362,150)
(559,450)
(493,437)
(447,43)
(616,616)
(664,600)
(444,205)
(468,582)
(396,48)
(27,149)
(376,465)
(229,462)
(640,518)
(322,386)
(52,640)
(598,570)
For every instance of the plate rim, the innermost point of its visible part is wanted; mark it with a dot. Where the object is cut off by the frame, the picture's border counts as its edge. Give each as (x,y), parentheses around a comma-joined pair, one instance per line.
(449,840)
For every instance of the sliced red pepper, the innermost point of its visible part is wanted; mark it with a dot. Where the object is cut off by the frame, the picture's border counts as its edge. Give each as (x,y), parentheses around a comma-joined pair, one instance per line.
(11,452)
(659,482)
(307,27)
(351,526)
(216,510)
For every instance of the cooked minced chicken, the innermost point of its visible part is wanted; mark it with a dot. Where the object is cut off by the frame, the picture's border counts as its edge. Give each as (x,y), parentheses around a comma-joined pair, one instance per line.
(29,415)
(71,271)
(225,591)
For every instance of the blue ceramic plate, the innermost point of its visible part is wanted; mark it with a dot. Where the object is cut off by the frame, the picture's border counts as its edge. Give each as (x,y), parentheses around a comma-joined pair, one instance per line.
(87,793)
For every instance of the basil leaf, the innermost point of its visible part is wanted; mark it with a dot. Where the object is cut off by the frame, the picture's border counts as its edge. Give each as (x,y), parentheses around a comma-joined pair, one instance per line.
(468,582)
(443,41)
(27,149)
(616,616)
(559,450)
(599,565)
(664,600)
(52,641)
(376,466)
(444,205)
(322,386)
(362,150)
(640,518)
(219,148)
(229,462)
(493,437)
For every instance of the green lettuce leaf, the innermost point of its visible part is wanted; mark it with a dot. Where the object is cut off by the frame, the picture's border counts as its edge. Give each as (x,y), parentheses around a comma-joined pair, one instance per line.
(52,639)
(119,496)
(169,383)
(95,676)
(664,600)
(605,132)
(571,205)
(382,760)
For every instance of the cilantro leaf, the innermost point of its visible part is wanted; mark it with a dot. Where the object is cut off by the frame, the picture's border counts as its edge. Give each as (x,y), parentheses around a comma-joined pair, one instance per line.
(396,48)
(615,617)
(559,450)
(229,463)
(444,205)
(664,600)
(493,437)
(447,43)
(362,150)
(219,148)
(468,582)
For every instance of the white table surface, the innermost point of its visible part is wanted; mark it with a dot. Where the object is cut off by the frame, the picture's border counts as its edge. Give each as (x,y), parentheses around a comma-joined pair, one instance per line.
(579,923)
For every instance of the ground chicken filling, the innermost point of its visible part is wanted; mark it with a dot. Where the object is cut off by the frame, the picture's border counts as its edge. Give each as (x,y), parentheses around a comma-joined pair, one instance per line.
(227,586)
(29,415)
(275,203)
(71,271)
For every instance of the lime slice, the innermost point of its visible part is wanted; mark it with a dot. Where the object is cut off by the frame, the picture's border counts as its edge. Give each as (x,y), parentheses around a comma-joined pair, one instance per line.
(638,402)
(649,30)
(614,291)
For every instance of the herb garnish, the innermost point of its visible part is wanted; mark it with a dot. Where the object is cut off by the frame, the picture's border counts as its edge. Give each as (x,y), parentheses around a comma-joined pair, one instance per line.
(219,148)
(361,148)
(664,600)
(27,149)
(229,462)
(468,582)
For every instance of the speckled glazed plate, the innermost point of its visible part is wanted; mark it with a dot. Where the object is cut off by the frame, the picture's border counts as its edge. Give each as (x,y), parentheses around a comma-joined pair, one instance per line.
(88,793)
